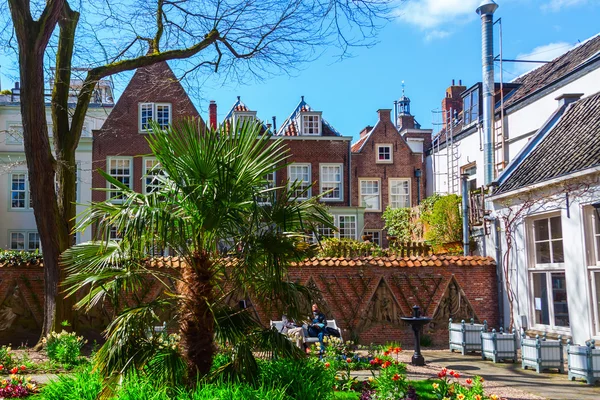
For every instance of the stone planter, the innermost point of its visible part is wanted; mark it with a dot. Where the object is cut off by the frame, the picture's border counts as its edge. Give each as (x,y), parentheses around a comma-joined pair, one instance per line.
(541,354)
(584,361)
(499,346)
(465,337)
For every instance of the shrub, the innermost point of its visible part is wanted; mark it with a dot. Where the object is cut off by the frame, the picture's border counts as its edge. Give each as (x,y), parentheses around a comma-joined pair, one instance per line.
(391,383)
(306,379)
(444,221)
(6,360)
(64,347)
(18,257)
(83,385)
(333,247)
(233,391)
(400,222)
(136,387)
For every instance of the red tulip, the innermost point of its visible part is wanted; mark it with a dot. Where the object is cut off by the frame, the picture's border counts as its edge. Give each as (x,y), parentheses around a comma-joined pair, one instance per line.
(348,360)
(395,377)
(469,381)
(327,365)
(1,367)
(23,368)
(386,364)
(14,370)
(456,375)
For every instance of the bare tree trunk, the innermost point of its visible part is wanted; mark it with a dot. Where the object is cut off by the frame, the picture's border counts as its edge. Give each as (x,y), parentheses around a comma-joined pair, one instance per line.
(197,320)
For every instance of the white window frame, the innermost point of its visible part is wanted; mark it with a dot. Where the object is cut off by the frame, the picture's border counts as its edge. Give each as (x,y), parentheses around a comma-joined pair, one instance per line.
(28,206)
(373,233)
(339,226)
(26,234)
(305,125)
(592,247)
(547,269)
(322,182)
(145,176)
(131,175)
(11,139)
(154,116)
(331,233)
(271,179)
(360,193)
(239,117)
(390,146)
(390,194)
(308,193)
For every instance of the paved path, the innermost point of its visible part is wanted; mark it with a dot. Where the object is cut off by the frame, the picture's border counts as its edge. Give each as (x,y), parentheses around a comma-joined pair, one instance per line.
(548,385)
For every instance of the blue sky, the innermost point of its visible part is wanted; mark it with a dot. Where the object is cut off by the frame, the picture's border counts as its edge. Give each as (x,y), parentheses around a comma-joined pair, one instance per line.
(429,43)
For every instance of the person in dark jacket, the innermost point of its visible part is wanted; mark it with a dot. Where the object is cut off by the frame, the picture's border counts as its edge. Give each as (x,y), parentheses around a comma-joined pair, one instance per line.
(318,325)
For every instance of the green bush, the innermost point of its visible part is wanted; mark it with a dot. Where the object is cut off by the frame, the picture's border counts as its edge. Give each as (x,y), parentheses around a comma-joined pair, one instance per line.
(17,257)
(333,247)
(306,379)
(233,391)
(399,222)
(444,220)
(83,385)
(140,387)
(6,359)
(64,347)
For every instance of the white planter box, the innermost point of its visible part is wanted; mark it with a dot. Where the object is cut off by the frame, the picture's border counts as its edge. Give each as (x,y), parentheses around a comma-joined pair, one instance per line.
(465,337)
(541,354)
(584,362)
(498,346)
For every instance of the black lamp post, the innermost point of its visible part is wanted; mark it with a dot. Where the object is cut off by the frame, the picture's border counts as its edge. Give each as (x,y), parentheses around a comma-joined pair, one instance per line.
(418,176)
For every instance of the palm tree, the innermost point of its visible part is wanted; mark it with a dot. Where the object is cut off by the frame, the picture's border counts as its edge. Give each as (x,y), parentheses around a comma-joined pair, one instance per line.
(210,196)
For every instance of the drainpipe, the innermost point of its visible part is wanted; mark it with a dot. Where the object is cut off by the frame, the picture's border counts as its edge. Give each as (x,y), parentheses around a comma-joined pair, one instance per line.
(349,191)
(465,213)
(486,11)
(499,274)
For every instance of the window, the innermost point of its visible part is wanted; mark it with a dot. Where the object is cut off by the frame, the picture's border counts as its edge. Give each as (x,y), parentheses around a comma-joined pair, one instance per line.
(17,241)
(24,240)
(33,241)
(592,244)
(265,198)
(547,236)
(471,106)
(113,234)
(471,172)
(121,170)
(347,226)
(301,174)
(311,124)
(19,191)
(161,112)
(14,134)
(370,194)
(375,236)
(547,275)
(384,153)
(326,232)
(331,181)
(399,193)
(242,118)
(152,175)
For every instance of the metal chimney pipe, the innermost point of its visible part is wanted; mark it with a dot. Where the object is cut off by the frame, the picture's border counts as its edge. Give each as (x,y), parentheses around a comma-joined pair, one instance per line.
(486,10)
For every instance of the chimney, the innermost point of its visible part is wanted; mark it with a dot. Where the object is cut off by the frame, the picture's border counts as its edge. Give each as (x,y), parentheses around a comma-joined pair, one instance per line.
(212,114)
(385,114)
(568,98)
(274,124)
(452,102)
(365,130)
(486,10)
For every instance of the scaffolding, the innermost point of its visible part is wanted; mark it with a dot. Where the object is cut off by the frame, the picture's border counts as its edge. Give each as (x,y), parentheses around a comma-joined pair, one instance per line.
(445,153)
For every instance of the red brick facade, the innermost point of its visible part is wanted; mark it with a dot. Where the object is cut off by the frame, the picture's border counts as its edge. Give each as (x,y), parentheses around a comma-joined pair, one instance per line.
(120,135)
(404,164)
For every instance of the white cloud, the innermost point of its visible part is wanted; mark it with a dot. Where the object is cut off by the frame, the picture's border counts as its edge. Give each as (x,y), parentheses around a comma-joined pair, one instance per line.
(429,14)
(557,5)
(546,52)
(436,34)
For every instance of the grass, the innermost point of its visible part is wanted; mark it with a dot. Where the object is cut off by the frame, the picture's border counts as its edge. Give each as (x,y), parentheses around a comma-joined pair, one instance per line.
(424,389)
(346,396)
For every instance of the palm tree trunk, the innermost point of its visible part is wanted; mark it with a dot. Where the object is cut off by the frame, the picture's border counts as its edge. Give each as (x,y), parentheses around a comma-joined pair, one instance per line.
(197,320)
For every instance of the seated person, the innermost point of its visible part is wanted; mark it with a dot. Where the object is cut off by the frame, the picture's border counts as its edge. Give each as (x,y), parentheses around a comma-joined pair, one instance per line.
(293,331)
(317,326)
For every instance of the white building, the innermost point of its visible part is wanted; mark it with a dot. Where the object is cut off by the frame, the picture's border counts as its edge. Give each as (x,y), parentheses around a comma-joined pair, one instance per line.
(547,206)
(18,229)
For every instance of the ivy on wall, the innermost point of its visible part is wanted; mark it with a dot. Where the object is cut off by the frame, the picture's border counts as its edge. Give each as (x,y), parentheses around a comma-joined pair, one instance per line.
(17,257)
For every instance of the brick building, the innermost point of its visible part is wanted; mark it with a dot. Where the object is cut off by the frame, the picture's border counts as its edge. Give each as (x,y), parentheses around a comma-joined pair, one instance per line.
(120,146)
(388,166)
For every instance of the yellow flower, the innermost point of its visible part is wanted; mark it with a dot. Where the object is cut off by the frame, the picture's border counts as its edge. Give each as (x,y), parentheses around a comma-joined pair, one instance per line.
(477,397)
(436,385)
(8,349)
(446,398)
(460,396)
(371,379)
(493,397)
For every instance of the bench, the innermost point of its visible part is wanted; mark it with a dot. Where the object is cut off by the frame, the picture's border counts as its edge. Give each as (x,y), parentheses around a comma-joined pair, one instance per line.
(307,339)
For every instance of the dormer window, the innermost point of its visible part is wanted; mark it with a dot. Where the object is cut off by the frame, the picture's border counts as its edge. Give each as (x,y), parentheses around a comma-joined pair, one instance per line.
(243,117)
(159,112)
(310,123)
